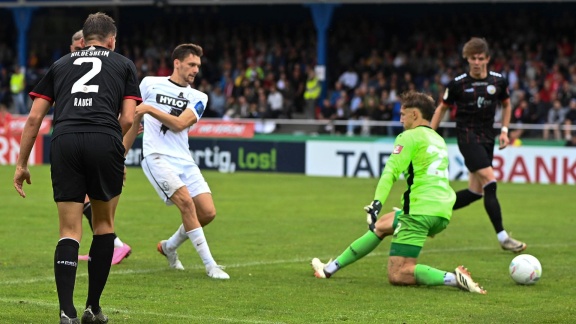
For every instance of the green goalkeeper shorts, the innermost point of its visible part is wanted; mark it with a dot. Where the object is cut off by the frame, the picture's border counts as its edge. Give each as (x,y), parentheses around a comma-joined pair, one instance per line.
(411,231)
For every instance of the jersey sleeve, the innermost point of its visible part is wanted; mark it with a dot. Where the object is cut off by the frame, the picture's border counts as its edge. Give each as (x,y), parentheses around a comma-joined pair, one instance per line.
(449,97)
(144,89)
(198,104)
(45,88)
(132,90)
(504,94)
(398,162)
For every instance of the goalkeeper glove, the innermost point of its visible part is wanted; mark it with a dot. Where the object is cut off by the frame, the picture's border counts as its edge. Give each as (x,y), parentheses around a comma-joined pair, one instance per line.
(372,212)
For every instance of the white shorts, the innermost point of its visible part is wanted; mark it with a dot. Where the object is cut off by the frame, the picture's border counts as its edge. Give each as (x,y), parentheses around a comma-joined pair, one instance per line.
(168,174)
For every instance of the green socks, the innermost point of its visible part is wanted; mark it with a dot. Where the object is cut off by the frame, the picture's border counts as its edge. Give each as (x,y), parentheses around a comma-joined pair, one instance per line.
(358,249)
(429,276)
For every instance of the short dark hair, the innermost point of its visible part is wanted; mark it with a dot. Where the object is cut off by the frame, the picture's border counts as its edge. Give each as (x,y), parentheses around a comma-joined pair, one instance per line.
(420,101)
(98,26)
(475,45)
(182,51)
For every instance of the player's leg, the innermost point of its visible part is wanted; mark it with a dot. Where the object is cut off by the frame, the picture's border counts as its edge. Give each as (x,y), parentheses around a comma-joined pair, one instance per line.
(163,176)
(359,248)
(121,249)
(101,253)
(194,231)
(409,238)
(407,242)
(205,208)
(88,211)
(492,206)
(104,156)
(66,255)
(474,158)
(69,187)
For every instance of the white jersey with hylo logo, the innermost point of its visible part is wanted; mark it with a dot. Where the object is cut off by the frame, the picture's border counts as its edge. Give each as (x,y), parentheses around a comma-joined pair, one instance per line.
(171,98)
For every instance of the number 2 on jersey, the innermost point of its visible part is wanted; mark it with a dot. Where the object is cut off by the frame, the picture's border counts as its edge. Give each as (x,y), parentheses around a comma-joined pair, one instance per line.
(80,85)
(433,169)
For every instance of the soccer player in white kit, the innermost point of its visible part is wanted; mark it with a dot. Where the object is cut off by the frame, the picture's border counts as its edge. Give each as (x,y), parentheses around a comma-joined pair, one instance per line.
(169,108)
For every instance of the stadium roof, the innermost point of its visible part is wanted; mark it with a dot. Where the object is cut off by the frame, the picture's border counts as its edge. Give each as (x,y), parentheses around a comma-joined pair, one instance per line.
(90,3)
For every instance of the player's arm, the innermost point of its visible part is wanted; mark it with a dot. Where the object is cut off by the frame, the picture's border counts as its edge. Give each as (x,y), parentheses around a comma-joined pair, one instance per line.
(39,109)
(132,133)
(126,118)
(438,115)
(174,123)
(506,115)
(398,162)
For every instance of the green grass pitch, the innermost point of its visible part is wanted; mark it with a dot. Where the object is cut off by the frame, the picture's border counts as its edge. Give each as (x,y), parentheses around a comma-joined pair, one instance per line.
(268,228)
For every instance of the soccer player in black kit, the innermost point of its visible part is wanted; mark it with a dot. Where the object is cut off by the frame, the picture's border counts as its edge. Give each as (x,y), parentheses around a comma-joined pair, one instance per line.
(475,96)
(96,91)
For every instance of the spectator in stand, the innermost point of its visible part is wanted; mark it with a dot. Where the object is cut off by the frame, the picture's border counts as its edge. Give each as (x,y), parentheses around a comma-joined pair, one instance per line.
(520,116)
(275,102)
(298,84)
(349,79)
(254,71)
(382,114)
(565,94)
(371,96)
(17,87)
(570,119)
(311,95)
(217,102)
(254,111)
(538,109)
(231,108)
(358,113)
(555,119)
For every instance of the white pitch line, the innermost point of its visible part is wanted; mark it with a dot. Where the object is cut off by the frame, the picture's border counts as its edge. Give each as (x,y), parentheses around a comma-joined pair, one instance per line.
(273,262)
(110,310)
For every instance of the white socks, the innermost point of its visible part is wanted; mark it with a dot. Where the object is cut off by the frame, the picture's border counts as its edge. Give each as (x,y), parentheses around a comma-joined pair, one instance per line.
(450,279)
(502,236)
(177,239)
(199,242)
(332,267)
(118,242)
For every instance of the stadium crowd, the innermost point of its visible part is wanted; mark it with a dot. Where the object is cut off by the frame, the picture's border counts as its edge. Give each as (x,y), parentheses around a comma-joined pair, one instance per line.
(257,70)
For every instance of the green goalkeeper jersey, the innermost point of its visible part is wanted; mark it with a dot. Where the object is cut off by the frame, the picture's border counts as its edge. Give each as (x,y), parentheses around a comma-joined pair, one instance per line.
(421,154)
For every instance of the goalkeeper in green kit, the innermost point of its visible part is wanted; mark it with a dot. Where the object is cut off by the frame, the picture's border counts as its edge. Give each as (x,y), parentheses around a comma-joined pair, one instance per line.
(421,154)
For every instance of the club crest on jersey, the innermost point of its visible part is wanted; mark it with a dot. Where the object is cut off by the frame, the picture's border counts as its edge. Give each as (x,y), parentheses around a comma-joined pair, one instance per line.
(397,149)
(171,101)
(491,89)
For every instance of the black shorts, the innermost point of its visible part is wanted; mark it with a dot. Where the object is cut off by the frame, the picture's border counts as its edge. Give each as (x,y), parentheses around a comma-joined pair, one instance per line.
(86,163)
(477,155)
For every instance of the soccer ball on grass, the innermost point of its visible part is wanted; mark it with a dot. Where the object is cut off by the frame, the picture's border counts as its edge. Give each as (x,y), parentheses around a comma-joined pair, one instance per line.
(525,269)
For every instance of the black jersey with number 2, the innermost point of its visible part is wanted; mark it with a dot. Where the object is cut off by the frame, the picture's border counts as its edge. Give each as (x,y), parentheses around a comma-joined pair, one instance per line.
(88,88)
(476,101)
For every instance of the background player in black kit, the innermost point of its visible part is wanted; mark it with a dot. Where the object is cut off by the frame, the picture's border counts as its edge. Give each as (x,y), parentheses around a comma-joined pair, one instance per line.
(475,96)
(96,91)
